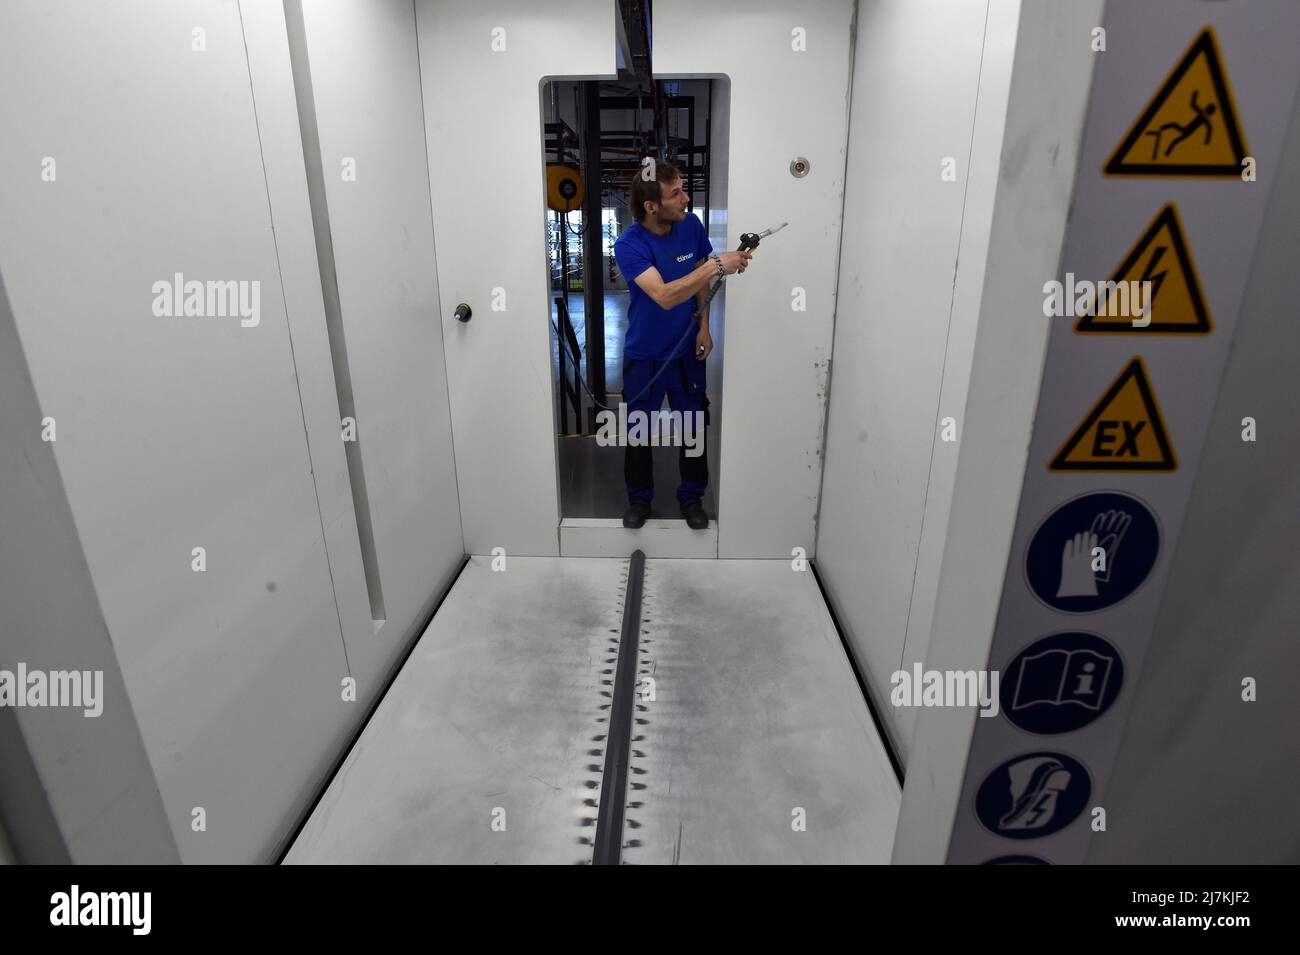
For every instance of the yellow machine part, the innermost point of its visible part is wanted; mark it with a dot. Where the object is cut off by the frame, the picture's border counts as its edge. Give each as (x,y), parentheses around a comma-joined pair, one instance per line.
(564,188)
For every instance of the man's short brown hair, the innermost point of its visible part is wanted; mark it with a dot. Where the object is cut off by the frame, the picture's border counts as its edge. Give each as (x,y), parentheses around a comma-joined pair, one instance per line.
(647,190)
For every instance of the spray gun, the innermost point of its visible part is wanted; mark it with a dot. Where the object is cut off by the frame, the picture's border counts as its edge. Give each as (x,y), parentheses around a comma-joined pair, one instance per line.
(748,241)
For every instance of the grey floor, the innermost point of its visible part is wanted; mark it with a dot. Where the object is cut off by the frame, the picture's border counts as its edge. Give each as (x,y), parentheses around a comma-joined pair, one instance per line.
(591,476)
(489,746)
(592,485)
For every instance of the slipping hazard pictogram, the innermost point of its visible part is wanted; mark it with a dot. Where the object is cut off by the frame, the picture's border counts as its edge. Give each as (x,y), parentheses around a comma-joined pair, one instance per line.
(1190,127)
(1173,301)
(1123,431)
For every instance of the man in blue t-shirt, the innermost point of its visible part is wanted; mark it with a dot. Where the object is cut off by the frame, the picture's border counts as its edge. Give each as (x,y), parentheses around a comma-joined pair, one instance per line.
(668,264)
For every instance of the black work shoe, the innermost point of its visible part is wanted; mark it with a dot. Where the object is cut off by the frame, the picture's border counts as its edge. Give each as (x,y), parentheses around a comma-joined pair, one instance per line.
(693,511)
(636,513)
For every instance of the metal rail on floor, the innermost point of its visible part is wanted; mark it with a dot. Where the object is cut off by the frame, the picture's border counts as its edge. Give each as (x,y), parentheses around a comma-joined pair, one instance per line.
(618,743)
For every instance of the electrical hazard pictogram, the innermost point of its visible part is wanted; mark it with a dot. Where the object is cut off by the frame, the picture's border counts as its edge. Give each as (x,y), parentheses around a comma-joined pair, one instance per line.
(1158,275)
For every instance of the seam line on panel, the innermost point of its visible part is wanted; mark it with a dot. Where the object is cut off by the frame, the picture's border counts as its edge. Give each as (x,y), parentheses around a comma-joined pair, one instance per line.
(284,298)
(943,367)
(835,283)
(859,674)
(433,228)
(300,67)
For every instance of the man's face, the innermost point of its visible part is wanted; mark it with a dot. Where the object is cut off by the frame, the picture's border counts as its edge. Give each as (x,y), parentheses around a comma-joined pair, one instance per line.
(673,201)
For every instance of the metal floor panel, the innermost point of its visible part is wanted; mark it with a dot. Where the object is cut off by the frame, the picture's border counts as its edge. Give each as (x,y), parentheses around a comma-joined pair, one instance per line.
(504,703)
(757,715)
(495,709)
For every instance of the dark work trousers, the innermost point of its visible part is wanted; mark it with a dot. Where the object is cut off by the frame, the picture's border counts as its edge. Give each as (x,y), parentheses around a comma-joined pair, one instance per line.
(684,386)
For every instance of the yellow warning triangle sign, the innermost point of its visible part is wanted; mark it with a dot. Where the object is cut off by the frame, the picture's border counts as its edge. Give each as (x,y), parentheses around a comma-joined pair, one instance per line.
(1190,127)
(1173,301)
(1122,432)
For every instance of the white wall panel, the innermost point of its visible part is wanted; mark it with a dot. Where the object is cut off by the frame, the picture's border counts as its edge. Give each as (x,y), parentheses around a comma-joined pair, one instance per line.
(783,103)
(1044,123)
(72,788)
(174,432)
(930,83)
(483,119)
(367,102)
(271,76)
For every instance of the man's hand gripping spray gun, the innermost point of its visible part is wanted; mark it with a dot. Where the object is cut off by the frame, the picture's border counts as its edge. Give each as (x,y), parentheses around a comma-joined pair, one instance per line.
(748,241)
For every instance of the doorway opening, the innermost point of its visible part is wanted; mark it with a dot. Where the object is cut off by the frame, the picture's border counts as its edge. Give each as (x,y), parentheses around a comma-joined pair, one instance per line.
(596,137)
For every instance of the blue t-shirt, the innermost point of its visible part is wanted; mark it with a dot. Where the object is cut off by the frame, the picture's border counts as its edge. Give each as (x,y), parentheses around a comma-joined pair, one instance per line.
(653,331)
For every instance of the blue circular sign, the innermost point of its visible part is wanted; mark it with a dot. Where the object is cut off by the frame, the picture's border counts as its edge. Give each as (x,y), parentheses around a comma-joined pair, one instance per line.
(1061,682)
(1033,795)
(1092,552)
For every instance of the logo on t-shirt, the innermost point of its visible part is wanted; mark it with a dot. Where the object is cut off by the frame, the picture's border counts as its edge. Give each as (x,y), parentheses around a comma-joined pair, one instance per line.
(688,255)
